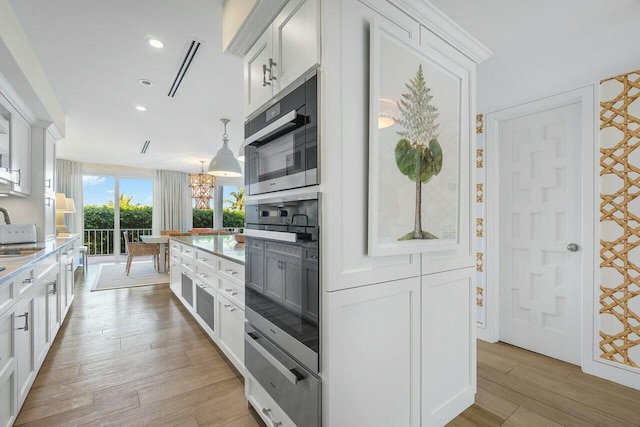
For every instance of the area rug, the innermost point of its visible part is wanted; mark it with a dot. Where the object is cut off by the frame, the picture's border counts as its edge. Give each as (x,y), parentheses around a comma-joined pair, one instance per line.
(114,276)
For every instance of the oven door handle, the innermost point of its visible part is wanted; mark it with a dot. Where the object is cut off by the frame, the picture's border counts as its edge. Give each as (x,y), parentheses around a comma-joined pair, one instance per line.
(280,236)
(274,127)
(291,375)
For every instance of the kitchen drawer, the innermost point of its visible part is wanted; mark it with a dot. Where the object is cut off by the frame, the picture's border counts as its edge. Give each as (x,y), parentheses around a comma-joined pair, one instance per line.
(25,281)
(175,246)
(206,258)
(186,266)
(232,290)
(230,270)
(207,274)
(264,405)
(188,252)
(45,266)
(7,292)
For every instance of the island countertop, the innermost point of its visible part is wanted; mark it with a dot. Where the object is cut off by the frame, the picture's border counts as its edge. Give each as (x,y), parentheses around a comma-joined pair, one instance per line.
(224,246)
(15,265)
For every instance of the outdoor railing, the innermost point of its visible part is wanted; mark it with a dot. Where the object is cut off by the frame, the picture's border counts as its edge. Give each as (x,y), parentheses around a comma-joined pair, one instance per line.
(99,241)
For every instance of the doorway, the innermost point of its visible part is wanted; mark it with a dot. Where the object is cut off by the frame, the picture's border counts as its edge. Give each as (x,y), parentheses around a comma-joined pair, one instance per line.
(540,224)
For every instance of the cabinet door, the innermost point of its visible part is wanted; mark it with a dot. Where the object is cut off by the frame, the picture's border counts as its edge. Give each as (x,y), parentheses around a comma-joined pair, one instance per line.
(255,268)
(176,277)
(53,295)
(23,326)
(40,323)
(448,371)
(296,41)
(258,88)
(21,153)
(374,357)
(8,389)
(231,331)
(274,277)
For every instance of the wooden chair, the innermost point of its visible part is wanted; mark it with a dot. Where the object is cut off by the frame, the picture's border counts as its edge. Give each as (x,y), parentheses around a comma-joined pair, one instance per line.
(141,249)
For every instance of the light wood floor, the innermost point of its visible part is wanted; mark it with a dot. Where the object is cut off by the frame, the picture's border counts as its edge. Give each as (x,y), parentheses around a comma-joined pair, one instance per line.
(135,357)
(520,388)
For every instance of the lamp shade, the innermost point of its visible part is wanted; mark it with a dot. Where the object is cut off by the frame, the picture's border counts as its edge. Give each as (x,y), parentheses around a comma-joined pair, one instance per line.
(61,202)
(71,206)
(241,154)
(224,163)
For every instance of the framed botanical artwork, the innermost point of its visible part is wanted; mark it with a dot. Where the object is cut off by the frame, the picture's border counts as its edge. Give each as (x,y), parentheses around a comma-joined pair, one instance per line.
(418,147)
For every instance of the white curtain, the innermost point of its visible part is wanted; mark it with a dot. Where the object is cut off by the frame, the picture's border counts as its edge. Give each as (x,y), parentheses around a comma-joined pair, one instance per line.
(171,201)
(69,182)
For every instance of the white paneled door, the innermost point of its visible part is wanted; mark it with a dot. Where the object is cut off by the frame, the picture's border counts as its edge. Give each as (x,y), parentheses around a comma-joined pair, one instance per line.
(540,198)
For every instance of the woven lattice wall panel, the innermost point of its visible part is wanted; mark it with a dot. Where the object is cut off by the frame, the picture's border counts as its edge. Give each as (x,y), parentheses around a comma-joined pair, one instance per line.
(620,219)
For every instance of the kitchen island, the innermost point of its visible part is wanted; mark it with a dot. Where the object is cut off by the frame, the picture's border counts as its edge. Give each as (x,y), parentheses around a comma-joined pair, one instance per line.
(207,277)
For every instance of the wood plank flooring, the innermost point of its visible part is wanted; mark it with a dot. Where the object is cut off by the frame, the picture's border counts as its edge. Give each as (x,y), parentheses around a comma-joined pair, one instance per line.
(519,388)
(136,357)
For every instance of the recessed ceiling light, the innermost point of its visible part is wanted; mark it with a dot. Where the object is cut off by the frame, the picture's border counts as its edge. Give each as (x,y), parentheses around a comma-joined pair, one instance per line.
(141,108)
(145,82)
(155,43)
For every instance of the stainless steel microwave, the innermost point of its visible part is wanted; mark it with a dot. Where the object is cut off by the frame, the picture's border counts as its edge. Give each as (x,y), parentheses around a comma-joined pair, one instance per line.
(281,142)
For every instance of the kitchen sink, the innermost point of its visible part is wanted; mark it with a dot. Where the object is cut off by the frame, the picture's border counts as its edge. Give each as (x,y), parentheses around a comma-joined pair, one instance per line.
(18,252)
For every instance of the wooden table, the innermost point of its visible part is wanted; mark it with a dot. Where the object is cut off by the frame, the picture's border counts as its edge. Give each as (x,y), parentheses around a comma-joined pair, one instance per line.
(163,241)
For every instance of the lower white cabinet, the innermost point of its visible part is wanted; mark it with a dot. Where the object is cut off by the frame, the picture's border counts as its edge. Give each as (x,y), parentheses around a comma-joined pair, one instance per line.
(401,352)
(211,290)
(231,331)
(23,326)
(8,372)
(29,323)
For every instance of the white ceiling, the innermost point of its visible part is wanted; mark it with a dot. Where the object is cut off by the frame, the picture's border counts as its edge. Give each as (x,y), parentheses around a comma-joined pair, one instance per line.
(545,47)
(94,52)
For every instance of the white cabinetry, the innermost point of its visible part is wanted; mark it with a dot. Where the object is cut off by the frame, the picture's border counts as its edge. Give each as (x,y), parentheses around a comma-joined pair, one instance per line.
(19,163)
(212,289)
(288,48)
(374,355)
(265,406)
(30,317)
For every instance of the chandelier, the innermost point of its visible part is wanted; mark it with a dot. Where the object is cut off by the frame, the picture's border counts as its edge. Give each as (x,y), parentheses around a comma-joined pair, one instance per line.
(202,185)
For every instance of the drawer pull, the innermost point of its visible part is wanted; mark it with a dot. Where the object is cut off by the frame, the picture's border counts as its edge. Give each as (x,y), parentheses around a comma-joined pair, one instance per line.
(187,252)
(231,272)
(26,322)
(29,280)
(315,257)
(54,285)
(267,413)
(203,275)
(231,292)
(229,307)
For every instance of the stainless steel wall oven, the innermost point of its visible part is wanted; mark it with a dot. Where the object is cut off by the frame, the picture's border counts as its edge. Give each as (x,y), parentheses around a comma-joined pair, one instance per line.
(281,143)
(282,302)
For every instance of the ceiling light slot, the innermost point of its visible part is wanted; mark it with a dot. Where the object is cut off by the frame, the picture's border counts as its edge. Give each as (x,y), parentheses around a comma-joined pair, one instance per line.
(191,50)
(145,146)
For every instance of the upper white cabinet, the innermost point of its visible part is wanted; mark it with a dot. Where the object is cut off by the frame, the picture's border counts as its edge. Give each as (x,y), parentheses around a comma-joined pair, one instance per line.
(288,48)
(15,151)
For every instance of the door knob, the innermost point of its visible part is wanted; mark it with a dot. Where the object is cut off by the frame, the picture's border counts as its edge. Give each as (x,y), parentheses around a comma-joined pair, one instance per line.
(573,247)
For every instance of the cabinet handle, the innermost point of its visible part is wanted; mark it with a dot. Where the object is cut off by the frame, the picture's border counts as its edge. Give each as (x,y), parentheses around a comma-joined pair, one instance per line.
(47,181)
(29,280)
(270,69)
(26,322)
(264,76)
(49,201)
(229,307)
(19,172)
(267,412)
(313,257)
(231,292)
(231,272)
(54,284)
(203,275)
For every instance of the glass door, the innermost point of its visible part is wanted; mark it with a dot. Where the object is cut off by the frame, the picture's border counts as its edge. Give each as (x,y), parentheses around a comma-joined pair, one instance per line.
(99,226)
(135,201)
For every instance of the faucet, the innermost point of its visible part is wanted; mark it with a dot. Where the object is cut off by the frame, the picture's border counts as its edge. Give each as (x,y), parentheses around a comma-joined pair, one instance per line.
(7,218)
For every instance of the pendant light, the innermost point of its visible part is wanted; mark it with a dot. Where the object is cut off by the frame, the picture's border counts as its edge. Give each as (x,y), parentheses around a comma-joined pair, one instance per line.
(388,113)
(225,163)
(202,185)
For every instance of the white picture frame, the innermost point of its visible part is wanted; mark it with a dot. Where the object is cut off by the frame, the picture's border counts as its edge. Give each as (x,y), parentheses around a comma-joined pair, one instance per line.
(445,199)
